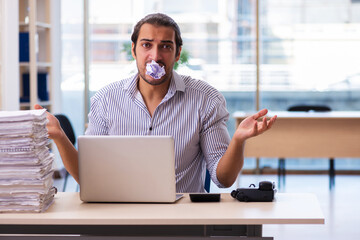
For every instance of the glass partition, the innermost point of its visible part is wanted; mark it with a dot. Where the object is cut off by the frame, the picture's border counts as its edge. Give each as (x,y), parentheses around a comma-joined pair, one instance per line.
(72,64)
(310,56)
(306,57)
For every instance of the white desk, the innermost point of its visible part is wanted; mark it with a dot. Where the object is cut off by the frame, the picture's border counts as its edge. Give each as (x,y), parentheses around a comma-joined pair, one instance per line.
(229,217)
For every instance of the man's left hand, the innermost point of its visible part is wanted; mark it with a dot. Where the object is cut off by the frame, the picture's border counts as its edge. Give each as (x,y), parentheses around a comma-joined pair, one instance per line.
(252,126)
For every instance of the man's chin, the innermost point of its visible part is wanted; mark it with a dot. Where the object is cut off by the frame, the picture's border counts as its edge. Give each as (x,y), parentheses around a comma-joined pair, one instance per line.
(154,82)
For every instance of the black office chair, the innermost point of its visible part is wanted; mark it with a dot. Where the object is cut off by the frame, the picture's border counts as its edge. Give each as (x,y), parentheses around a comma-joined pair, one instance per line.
(281,166)
(309,108)
(69,131)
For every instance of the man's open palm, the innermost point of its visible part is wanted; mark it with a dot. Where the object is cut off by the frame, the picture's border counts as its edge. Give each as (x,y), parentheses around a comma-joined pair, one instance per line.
(252,126)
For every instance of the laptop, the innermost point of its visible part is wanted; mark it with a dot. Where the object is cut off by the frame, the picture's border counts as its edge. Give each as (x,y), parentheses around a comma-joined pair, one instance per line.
(127,169)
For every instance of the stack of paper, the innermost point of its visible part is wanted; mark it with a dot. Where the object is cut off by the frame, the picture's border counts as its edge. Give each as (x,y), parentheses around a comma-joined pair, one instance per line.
(26,164)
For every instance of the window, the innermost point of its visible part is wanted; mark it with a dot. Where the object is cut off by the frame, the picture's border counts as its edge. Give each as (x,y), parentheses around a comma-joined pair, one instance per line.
(306,57)
(72,64)
(310,58)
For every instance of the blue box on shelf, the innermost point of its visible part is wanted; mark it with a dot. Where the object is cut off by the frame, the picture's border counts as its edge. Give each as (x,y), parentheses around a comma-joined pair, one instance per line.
(42,87)
(24,47)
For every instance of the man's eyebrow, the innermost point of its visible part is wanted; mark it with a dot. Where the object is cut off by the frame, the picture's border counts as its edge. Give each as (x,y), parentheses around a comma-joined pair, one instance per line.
(151,40)
(147,40)
(167,41)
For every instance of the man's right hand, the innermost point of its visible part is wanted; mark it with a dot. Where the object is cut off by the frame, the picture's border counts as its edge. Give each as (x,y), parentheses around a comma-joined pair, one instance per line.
(68,152)
(53,126)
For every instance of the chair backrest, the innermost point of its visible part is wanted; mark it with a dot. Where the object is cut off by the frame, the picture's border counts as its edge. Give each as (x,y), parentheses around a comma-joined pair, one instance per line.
(67,127)
(308,108)
(207,181)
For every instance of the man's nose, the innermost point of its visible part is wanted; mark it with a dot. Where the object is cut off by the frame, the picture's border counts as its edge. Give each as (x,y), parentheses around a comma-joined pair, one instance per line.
(155,54)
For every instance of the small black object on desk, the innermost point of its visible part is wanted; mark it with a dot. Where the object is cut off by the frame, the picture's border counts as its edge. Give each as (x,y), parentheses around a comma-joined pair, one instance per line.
(205,197)
(265,193)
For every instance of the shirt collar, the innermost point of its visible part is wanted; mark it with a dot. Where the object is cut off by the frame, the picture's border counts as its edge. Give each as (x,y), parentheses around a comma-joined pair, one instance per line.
(130,85)
(178,81)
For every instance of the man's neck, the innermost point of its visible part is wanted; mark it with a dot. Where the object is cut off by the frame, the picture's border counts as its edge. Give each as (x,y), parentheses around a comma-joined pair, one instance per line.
(152,94)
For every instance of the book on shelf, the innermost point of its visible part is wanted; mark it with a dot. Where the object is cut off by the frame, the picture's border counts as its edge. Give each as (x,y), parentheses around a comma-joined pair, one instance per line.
(42,87)
(24,47)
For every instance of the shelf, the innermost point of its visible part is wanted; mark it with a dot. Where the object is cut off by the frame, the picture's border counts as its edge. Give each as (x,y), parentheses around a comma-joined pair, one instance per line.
(39,25)
(38,64)
(41,103)
(36,18)
(40,19)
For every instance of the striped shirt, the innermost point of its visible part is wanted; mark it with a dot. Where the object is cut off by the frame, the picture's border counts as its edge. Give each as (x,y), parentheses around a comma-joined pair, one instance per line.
(192,112)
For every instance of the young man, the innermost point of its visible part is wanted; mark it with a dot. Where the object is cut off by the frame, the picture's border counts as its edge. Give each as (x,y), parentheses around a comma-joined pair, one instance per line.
(190,110)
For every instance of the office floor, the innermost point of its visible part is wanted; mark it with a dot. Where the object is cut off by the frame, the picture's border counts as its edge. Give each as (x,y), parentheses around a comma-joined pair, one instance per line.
(341,205)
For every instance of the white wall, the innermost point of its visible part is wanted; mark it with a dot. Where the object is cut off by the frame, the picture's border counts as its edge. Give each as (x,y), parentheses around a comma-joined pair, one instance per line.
(9,58)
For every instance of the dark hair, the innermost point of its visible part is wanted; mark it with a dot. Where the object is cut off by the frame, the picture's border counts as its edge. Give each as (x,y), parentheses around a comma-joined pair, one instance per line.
(158,19)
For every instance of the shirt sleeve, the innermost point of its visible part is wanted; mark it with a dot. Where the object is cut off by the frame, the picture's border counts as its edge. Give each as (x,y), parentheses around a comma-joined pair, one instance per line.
(214,136)
(97,116)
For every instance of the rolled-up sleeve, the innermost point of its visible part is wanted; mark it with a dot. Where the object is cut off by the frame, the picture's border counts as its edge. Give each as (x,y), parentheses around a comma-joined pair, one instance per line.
(215,137)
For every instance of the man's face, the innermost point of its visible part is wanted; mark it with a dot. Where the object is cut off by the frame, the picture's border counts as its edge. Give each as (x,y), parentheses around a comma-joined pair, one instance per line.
(155,43)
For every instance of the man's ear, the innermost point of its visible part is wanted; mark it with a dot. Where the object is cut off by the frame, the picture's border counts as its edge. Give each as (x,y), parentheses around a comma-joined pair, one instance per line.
(178,56)
(133,53)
